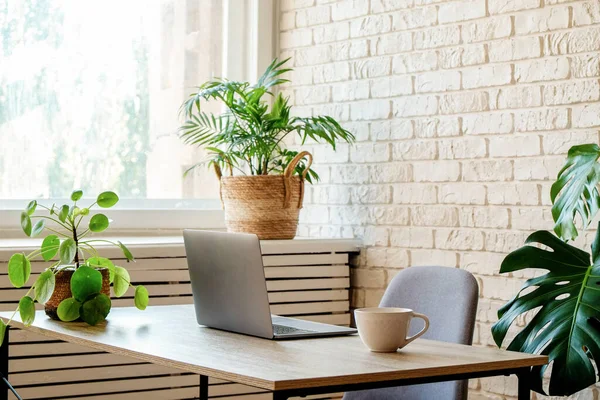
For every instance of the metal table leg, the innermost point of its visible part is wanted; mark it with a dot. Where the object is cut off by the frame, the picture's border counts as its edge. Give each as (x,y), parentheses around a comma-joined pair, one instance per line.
(4,365)
(524,393)
(203,387)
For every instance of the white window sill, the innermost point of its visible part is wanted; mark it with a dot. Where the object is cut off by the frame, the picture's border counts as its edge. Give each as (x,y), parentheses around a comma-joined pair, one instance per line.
(134,222)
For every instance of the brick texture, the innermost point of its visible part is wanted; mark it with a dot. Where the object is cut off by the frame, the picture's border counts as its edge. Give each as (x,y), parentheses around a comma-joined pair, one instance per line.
(463,112)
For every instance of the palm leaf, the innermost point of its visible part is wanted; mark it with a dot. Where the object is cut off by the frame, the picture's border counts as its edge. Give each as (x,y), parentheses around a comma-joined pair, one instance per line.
(271,75)
(575,190)
(202,129)
(566,297)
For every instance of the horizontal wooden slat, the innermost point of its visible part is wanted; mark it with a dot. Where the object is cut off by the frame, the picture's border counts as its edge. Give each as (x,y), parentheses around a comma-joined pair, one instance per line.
(79,389)
(62,362)
(232,389)
(86,374)
(161,394)
(305,259)
(308,295)
(309,308)
(316,271)
(306,284)
(50,348)
(333,319)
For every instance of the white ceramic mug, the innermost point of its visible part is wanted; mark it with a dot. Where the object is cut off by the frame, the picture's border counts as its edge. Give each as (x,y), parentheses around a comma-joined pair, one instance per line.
(385,329)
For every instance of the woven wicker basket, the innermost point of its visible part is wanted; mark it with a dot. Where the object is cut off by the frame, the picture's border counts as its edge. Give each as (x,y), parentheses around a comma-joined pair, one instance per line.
(62,289)
(266,205)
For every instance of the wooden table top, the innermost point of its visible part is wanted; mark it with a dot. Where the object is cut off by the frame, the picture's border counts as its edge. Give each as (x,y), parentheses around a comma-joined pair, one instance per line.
(170,336)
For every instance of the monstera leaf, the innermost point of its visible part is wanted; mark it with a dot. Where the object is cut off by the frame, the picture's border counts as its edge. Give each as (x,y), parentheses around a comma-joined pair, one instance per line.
(575,190)
(567,296)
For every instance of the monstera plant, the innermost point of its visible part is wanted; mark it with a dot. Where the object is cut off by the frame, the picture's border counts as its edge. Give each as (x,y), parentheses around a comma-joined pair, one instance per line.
(566,299)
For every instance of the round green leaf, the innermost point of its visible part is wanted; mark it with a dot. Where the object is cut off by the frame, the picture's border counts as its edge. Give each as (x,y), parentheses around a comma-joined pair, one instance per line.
(3,328)
(126,252)
(76,211)
(50,247)
(76,195)
(121,282)
(27,310)
(67,251)
(26,223)
(44,286)
(30,209)
(85,211)
(141,298)
(63,213)
(96,309)
(98,223)
(68,310)
(38,228)
(19,269)
(107,199)
(101,262)
(85,282)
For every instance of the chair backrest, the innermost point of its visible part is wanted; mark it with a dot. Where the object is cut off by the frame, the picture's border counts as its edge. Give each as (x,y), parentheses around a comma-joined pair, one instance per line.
(448,296)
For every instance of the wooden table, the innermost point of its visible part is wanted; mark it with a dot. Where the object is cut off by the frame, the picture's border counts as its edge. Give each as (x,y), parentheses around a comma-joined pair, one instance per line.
(170,336)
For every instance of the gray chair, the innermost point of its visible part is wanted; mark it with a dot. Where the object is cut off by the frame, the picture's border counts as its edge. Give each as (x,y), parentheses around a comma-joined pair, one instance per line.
(448,296)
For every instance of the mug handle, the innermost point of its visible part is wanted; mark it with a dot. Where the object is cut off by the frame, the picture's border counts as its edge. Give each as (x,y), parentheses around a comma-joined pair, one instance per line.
(424,318)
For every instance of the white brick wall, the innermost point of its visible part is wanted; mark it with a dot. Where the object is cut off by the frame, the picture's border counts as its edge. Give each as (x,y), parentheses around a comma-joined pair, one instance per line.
(463,112)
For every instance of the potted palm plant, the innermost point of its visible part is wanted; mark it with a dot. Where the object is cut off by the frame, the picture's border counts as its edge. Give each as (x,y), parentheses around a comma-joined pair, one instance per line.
(76,285)
(565,301)
(248,140)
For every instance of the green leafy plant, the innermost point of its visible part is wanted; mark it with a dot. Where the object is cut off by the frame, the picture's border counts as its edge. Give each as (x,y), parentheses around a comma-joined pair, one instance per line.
(565,300)
(249,135)
(68,247)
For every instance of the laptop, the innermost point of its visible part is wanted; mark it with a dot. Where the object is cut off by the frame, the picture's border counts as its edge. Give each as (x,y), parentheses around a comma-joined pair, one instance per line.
(230,289)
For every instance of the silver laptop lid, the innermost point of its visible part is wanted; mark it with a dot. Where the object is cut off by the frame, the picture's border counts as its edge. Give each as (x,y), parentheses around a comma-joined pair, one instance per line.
(228,282)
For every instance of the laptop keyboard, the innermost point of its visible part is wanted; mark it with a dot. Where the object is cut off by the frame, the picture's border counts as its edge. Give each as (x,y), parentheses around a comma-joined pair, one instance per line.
(284,330)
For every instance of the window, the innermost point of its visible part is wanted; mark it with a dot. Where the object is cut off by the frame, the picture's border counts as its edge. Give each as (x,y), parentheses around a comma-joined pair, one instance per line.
(89,98)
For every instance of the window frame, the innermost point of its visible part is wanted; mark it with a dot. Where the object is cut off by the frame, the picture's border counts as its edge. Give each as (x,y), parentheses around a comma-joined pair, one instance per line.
(249,34)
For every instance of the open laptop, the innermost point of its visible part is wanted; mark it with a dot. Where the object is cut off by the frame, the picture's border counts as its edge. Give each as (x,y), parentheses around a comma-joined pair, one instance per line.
(230,290)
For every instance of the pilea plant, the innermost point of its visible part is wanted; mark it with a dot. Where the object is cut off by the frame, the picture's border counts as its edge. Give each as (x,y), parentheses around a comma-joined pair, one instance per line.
(74,258)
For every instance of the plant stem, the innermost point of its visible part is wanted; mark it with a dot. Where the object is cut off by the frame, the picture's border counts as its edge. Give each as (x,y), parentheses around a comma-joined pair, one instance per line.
(37,252)
(51,219)
(57,232)
(94,253)
(76,246)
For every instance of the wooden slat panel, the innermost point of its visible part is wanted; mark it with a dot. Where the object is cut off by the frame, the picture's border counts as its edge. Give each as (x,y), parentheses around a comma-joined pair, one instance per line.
(320,295)
(316,271)
(305,259)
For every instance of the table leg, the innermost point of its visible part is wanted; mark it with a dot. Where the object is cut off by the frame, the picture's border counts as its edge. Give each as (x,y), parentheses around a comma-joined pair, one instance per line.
(524,391)
(280,395)
(203,387)
(4,366)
